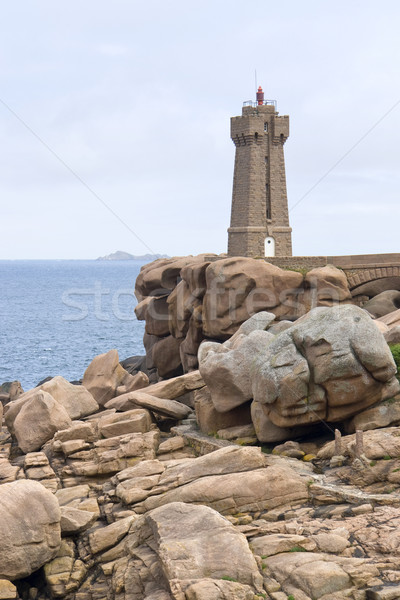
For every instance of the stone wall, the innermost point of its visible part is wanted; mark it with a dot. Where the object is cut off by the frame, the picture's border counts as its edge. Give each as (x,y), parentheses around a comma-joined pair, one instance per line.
(299,262)
(367,274)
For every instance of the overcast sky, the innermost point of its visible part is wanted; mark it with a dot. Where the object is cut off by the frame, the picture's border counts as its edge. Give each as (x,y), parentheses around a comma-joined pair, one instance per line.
(135,98)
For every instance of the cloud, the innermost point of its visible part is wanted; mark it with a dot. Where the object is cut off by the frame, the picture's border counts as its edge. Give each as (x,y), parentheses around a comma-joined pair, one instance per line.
(137,102)
(112,50)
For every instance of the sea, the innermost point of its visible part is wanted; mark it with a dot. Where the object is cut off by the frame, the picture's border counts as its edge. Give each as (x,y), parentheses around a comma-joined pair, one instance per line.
(57,315)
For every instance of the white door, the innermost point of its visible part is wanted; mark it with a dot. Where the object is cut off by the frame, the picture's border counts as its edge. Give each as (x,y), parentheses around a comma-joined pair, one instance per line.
(269,246)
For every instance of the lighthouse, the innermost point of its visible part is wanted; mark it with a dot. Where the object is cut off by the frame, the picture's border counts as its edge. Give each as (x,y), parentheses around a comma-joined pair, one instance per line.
(259,216)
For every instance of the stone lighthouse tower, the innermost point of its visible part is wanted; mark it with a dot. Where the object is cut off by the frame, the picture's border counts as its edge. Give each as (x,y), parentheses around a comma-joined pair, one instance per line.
(259,217)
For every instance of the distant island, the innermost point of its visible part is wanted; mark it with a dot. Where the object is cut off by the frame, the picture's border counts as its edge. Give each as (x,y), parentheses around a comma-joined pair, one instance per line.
(119,255)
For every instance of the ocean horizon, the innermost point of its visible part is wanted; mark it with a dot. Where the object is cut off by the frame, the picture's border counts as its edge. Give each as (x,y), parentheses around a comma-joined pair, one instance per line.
(57,315)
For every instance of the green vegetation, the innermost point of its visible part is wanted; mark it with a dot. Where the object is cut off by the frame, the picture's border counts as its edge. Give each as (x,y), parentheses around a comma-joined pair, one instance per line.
(372,463)
(297,549)
(228,578)
(249,441)
(395,350)
(387,457)
(290,597)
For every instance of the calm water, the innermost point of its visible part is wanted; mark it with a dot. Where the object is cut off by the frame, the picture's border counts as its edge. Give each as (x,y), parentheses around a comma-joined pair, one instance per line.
(55,316)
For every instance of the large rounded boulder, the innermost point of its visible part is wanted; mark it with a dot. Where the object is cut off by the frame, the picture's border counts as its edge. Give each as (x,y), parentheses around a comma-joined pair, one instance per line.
(30,531)
(239,287)
(329,365)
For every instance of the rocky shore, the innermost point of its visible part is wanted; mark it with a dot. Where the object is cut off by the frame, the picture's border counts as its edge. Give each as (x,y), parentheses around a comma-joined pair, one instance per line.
(253,453)
(194,298)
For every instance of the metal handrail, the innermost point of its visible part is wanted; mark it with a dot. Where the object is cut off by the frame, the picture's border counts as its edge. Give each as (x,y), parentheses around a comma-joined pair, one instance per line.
(255,104)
